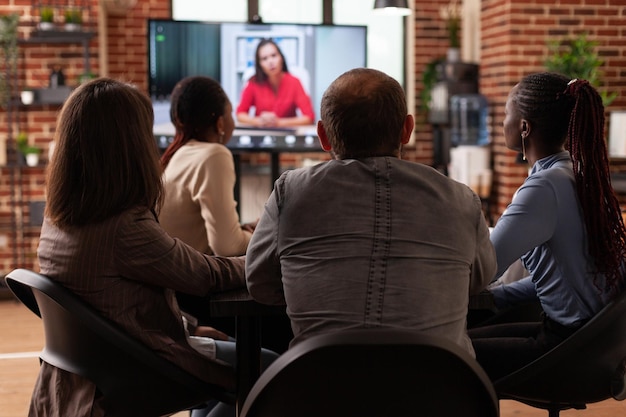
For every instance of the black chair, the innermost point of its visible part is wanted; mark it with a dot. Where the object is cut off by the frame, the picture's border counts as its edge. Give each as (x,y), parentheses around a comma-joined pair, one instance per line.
(133,380)
(587,367)
(373,373)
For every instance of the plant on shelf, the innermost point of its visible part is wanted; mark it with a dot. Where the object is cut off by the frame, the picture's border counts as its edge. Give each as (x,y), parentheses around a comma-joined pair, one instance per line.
(577,58)
(46,15)
(73,18)
(8,46)
(429,79)
(451,14)
(30,152)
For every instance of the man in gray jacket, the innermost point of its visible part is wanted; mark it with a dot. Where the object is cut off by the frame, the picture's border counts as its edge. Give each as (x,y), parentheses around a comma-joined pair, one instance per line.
(367,239)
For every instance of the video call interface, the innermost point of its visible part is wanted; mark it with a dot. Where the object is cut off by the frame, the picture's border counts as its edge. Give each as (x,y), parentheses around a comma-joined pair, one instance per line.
(317,54)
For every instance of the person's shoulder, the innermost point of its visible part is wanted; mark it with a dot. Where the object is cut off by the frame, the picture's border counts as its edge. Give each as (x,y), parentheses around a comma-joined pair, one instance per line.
(427,176)
(289,77)
(422,170)
(555,176)
(132,215)
(201,150)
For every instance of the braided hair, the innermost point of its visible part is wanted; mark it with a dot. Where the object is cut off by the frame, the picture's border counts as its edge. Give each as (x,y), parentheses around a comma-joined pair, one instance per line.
(571,113)
(197,103)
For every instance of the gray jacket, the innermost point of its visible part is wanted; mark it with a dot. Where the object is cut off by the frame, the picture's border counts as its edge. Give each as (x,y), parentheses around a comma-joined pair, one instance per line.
(370,243)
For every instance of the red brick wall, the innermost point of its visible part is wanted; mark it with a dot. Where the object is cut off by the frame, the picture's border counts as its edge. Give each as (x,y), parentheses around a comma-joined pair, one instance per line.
(18,184)
(513,44)
(431,42)
(514,34)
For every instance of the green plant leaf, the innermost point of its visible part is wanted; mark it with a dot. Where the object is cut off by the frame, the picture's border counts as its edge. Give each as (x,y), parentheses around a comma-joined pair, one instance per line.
(577,58)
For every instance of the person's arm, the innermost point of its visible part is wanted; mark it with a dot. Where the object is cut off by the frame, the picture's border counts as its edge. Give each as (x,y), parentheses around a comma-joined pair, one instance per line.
(294,121)
(145,253)
(212,190)
(484,265)
(518,292)
(303,103)
(263,272)
(245,103)
(246,119)
(528,221)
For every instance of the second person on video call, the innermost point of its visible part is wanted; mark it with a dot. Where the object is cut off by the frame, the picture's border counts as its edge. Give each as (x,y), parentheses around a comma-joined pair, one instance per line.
(278,97)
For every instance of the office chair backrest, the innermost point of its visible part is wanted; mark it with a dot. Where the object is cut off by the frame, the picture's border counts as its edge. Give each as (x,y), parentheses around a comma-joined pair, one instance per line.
(373,373)
(587,367)
(133,380)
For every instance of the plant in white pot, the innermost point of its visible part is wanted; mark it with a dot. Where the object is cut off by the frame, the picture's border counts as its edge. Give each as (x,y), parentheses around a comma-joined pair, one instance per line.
(451,15)
(73,19)
(30,152)
(46,15)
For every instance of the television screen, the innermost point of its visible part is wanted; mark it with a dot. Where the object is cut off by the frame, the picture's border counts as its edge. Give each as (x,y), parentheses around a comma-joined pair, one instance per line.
(316,54)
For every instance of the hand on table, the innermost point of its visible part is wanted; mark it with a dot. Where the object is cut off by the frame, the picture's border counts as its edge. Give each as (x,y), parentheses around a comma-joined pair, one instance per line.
(268,119)
(207,331)
(249,227)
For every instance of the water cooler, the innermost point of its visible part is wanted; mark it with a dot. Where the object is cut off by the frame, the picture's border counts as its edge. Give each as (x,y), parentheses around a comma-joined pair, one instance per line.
(459,115)
(452,78)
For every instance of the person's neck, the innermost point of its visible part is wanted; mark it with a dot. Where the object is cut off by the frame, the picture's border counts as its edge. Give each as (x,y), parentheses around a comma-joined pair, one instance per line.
(533,157)
(212,138)
(274,80)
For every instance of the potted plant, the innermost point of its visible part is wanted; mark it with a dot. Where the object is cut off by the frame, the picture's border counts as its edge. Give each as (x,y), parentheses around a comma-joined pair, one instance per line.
(577,58)
(429,78)
(73,19)
(451,15)
(30,152)
(8,48)
(46,15)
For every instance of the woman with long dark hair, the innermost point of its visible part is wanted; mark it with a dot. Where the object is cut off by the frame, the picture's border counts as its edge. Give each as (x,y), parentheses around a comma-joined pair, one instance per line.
(278,97)
(101,240)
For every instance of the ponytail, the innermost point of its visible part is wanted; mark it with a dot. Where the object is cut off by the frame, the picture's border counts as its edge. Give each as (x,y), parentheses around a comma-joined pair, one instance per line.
(605,227)
(179,140)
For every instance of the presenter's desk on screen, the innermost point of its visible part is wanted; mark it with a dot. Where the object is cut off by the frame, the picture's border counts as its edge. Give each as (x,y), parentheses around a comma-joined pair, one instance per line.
(254,140)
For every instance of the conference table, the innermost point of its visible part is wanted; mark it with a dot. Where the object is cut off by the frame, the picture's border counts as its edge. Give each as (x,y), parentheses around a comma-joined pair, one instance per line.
(247,313)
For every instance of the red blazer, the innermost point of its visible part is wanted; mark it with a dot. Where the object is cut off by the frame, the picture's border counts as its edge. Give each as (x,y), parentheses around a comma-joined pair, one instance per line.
(290,96)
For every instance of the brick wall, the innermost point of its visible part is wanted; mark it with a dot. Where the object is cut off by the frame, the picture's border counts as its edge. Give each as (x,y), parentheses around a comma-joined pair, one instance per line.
(513,44)
(514,34)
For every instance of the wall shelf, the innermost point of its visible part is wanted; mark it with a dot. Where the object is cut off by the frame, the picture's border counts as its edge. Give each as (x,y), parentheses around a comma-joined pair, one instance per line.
(58,36)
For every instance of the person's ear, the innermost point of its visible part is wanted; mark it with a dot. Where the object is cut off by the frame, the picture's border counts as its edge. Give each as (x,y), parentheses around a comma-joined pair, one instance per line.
(407,129)
(219,125)
(525,127)
(321,134)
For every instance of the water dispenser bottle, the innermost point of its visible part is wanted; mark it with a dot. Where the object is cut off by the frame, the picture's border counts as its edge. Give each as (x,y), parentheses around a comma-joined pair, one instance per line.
(468,120)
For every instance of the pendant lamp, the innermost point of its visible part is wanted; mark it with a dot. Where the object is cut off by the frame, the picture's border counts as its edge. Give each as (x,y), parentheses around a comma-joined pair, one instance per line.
(392,7)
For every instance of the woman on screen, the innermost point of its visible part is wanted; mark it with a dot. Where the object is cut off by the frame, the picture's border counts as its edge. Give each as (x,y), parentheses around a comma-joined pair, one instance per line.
(274,92)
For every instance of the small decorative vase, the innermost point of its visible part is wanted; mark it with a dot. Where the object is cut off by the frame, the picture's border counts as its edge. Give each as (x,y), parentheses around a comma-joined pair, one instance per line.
(453,55)
(32,159)
(72,27)
(46,26)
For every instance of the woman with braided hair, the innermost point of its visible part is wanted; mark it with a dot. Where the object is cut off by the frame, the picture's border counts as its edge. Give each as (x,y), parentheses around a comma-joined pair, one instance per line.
(564,222)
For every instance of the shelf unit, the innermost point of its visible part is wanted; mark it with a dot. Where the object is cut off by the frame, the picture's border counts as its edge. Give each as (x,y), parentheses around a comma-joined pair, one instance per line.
(59,37)
(26,211)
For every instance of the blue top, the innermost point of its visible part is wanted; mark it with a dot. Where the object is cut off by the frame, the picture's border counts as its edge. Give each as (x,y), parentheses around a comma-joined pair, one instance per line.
(544,226)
